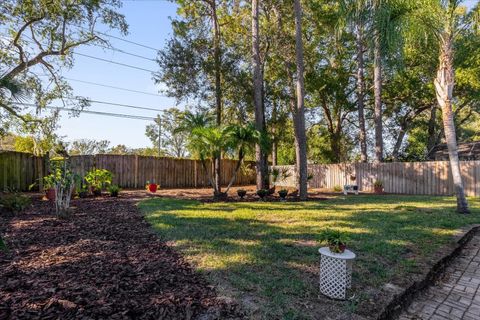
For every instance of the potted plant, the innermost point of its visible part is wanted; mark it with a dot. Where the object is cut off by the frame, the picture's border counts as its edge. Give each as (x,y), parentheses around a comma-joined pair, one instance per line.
(152,187)
(262,193)
(241,193)
(337,242)
(49,186)
(378,186)
(353,178)
(114,190)
(283,194)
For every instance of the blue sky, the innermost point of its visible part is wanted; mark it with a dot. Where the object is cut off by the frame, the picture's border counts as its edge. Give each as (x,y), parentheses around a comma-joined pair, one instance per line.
(149,24)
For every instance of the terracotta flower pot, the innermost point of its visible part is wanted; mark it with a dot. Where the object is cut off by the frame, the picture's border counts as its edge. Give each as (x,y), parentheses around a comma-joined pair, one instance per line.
(152,187)
(378,189)
(50,194)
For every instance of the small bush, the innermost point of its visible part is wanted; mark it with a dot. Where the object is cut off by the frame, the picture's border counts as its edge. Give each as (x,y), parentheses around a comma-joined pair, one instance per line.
(337,189)
(114,190)
(262,193)
(14,202)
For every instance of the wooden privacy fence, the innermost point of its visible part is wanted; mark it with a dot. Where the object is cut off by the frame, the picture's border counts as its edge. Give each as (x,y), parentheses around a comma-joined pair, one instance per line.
(130,171)
(427,178)
(19,170)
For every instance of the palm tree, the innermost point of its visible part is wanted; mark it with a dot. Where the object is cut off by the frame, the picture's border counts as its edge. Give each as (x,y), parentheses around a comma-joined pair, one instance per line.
(356,13)
(377,84)
(299,112)
(210,142)
(444,20)
(11,89)
(241,139)
(190,121)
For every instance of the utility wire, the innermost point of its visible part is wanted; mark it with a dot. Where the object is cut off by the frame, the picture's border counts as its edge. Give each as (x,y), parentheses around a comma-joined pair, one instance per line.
(107,60)
(122,51)
(112,87)
(113,62)
(117,104)
(111,114)
(121,39)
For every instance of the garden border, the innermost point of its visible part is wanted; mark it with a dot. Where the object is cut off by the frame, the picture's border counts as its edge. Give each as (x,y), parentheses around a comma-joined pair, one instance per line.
(401,301)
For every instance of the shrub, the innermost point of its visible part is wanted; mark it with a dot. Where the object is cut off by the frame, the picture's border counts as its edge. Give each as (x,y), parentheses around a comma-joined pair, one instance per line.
(378,183)
(99,179)
(262,193)
(283,193)
(114,190)
(241,193)
(14,202)
(337,188)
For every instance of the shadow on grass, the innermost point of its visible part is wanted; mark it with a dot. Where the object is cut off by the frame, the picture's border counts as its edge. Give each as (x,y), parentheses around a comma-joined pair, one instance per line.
(270,250)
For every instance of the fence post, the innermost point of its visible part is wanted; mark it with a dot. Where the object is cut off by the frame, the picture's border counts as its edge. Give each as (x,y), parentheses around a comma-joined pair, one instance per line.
(136,171)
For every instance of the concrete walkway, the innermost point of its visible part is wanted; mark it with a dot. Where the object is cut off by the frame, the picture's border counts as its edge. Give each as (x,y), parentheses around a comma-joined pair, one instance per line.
(457,295)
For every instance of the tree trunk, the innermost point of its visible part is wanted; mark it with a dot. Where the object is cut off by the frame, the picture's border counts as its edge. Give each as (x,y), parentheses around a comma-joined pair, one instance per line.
(361,94)
(218,91)
(432,124)
(274,134)
(444,83)
(260,157)
(299,114)
(398,143)
(377,87)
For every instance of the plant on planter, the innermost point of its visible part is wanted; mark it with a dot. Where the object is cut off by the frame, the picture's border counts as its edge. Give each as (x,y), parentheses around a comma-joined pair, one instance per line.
(378,186)
(353,178)
(337,188)
(337,242)
(49,187)
(283,194)
(262,193)
(152,187)
(98,180)
(14,202)
(114,190)
(241,193)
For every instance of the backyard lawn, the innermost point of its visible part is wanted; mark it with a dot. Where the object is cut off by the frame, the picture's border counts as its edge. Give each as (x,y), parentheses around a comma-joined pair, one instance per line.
(265,254)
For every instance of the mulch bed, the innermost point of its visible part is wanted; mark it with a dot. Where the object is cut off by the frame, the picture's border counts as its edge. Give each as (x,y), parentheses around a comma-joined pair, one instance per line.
(102,262)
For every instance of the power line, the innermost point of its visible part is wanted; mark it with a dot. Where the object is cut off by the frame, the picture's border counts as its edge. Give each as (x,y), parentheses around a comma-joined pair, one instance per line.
(114,62)
(123,52)
(117,104)
(118,115)
(107,60)
(112,87)
(121,39)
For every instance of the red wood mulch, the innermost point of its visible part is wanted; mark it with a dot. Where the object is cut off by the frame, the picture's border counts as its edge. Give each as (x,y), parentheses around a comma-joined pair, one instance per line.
(103,262)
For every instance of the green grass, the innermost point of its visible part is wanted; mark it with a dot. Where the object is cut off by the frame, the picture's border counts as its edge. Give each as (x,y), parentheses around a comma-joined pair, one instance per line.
(270,250)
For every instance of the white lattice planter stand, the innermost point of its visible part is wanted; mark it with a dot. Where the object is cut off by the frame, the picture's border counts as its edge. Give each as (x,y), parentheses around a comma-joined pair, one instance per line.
(335,272)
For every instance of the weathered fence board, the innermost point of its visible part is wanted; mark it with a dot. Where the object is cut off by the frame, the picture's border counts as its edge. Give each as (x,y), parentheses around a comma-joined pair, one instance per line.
(21,171)
(428,178)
